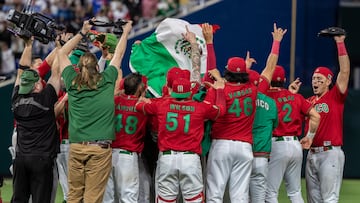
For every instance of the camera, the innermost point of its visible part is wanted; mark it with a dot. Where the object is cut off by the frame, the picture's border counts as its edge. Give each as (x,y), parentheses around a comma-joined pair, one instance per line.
(38,25)
(117,25)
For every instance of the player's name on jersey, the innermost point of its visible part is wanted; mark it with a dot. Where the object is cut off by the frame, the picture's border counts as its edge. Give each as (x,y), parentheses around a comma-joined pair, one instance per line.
(125,108)
(240,93)
(263,104)
(182,107)
(286,99)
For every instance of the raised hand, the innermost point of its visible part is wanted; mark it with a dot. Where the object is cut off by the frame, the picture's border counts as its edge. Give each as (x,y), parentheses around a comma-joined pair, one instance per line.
(207,31)
(127,27)
(189,36)
(294,87)
(278,33)
(249,61)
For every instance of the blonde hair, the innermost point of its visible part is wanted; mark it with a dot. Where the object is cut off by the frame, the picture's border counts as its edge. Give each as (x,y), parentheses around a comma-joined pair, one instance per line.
(89,75)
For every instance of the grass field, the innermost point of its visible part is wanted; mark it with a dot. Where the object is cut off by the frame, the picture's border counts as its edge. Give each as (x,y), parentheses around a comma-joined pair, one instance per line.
(350,192)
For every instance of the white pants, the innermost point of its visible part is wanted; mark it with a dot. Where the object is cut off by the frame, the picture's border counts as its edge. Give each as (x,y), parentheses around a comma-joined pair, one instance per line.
(258,178)
(179,170)
(62,164)
(123,183)
(324,172)
(229,161)
(285,163)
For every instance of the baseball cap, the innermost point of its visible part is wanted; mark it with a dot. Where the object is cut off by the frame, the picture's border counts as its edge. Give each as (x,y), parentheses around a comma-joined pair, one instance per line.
(325,72)
(236,65)
(253,76)
(181,88)
(27,81)
(175,73)
(279,74)
(110,42)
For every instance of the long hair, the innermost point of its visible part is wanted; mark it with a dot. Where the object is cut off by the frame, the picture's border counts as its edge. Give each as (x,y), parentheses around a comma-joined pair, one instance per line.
(89,75)
(236,77)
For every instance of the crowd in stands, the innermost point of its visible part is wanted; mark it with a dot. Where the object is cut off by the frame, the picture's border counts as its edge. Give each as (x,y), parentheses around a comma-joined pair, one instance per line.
(71,13)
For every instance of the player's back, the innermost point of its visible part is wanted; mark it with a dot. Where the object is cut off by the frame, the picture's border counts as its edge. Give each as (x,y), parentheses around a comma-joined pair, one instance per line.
(292,109)
(129,124)
(181,123)
(239,116)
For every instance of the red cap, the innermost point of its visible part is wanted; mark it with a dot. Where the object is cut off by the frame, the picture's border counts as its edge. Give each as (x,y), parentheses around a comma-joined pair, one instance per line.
(236,65)
(253,76)
(279,74)
(325,72)
(174,73)
(181,88)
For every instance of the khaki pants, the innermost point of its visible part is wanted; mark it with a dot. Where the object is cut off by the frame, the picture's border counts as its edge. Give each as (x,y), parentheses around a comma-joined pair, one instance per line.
(88,171)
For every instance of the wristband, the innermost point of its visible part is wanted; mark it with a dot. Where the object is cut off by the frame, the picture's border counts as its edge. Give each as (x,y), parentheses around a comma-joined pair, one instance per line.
(24,67)
(275,47)
(82,34)
(341,49)
(310,135)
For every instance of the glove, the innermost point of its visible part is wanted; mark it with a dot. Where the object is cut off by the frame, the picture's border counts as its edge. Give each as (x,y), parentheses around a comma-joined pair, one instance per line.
(331,32)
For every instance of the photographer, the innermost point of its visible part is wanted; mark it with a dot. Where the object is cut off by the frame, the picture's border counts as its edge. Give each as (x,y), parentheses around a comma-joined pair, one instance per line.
(91,116)
(37,135)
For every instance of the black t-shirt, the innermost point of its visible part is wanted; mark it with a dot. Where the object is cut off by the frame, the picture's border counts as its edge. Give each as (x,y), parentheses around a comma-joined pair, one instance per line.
(35,122)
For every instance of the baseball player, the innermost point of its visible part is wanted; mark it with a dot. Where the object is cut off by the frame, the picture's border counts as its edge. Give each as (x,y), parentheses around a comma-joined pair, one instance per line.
(266,120)
(230,157)
(286,153)
(325,160)
(123,183)
(181,125)
(61,113)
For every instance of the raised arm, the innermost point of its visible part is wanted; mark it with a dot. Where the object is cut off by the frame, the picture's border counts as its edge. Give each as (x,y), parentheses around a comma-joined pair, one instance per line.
(64,51)
(54,78)
(195,56)
(208,33)
(25,59)
(121,48)
(272,60)
(342,79)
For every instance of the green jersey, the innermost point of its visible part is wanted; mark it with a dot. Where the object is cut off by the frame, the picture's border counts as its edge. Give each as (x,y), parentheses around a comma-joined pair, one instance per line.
(91,112)
(266,120)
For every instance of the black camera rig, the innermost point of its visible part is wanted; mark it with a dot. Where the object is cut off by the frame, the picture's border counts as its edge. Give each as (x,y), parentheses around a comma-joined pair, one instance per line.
(27,24)
(117,25)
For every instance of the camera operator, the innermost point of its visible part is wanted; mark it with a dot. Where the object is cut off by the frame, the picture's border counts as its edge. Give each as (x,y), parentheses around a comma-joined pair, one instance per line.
(91,116)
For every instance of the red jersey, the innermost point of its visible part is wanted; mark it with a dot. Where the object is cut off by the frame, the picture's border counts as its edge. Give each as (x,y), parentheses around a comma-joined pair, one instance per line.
(129,124)
(181,123)
(292,109)
(330,107)
(63,119)
(237,122)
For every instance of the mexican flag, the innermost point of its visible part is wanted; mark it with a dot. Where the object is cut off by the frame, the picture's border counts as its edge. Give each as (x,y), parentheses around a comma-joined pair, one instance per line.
(164,49)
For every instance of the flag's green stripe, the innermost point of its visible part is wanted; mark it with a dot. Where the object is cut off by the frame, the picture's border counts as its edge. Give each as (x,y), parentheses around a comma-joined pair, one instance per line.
(152,59)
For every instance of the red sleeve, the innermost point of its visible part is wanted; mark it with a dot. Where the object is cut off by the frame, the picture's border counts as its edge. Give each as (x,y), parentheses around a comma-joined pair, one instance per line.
(220,101)
(210,61)
(210,96)
(338,95)
(146,108)
(305,105)
(44,68)
(263,85)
